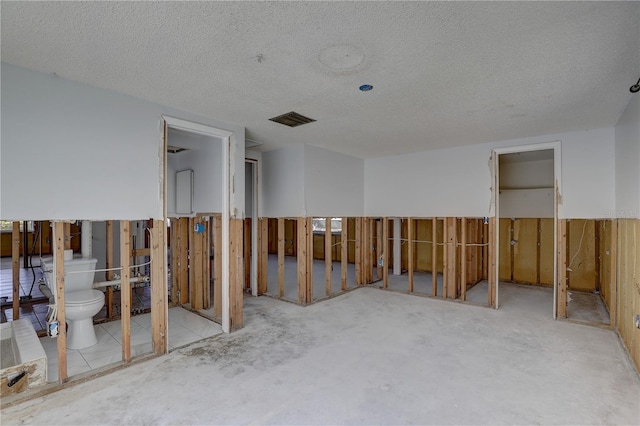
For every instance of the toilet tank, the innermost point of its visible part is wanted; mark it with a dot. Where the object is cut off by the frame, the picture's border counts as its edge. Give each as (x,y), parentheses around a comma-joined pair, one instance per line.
(78,273)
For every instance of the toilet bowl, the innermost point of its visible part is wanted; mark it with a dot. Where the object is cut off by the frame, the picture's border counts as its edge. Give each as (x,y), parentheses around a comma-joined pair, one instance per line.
(80,307)
(81,302)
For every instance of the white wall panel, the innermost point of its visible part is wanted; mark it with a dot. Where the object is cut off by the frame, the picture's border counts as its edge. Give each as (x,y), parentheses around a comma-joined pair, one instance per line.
(72,151)
(627,133)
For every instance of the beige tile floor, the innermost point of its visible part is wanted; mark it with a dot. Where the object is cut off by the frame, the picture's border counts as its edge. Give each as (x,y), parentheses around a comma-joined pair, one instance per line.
(184,327)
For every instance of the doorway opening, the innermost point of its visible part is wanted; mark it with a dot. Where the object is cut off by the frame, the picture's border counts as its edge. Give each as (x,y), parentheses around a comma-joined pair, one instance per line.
(526,191)
(196,195)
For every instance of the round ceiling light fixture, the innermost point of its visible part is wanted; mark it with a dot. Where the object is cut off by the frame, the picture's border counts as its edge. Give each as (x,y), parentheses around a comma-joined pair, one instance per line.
(365,87)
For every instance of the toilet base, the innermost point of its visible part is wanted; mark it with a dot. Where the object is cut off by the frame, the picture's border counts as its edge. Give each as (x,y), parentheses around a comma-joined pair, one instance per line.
(81,334)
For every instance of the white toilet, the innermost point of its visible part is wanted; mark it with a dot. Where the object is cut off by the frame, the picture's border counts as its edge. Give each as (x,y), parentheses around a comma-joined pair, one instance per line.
(81,301)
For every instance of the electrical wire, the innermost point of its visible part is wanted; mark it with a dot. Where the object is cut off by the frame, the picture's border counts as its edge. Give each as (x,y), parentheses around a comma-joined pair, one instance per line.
(579,246)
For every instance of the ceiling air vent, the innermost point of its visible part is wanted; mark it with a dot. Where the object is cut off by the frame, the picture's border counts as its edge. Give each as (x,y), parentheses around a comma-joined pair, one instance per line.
(248,143)
(174,149)
(292,119)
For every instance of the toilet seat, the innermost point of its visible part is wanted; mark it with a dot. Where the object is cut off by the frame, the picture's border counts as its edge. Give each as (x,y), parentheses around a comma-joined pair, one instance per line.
(83,297)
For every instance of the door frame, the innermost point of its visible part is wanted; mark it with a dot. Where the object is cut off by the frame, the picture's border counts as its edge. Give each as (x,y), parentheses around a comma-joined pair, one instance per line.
(255,164)
(556,146)
(228,148)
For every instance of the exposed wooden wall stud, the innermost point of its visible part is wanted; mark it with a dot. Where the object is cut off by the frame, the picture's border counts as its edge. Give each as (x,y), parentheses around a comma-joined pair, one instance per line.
(125,289)
(236,280)
(344,253)
(302,261)
(463,259)
(358,265)
(379,249)
(491,262)
(562,269)
(385,252)
(434,256)
(263,253)
(159,297)
(410,251)
(58,254)
(281,241)
(217,267)
(328,258)
(309,240)
(15,268)
(613,271)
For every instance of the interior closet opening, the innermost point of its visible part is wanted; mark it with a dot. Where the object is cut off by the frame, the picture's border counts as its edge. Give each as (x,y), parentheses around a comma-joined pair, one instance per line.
(526,211)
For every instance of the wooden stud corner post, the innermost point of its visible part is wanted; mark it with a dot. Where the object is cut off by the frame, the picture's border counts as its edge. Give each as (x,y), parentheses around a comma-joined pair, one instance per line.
(562,268)
(263,255)
(58,256)
(463,259)
(344,253)
(434,256)
(310,259)
(302,260)
(15,266)
(385,252)
(159,296)
(492,263)
(305,259)
(125,293)
(281,243)
(410,249)
(613,273)
(358,247)
(217,267)
(236,275)
(328,258)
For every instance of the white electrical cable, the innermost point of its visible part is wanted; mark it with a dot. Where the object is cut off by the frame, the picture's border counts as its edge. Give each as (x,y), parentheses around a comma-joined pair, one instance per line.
(579,246)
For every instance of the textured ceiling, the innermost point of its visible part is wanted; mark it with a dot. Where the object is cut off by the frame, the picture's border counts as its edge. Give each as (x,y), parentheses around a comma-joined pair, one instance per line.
(444,73)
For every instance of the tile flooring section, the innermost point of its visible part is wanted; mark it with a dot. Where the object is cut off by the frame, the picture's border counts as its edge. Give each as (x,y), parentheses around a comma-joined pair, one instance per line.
(184,327)
(26,278)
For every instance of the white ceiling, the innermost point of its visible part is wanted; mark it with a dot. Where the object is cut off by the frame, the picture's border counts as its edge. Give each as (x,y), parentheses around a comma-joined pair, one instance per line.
(444,73)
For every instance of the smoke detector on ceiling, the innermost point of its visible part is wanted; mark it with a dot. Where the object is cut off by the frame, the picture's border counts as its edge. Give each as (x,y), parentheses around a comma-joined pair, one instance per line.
(292,119)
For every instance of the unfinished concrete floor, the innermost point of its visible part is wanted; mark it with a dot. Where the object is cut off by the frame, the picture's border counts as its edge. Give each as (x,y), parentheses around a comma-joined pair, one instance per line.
(319,283)
(368,357)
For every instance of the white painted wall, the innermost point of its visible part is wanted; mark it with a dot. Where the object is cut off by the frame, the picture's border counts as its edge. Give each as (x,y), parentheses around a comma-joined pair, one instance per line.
(527,203)
(283,182)
(627,136)
(526,189)
(72,151)
(334,183)
(304,180)
(457,181)
(172,168)
(206,163)
(526,174)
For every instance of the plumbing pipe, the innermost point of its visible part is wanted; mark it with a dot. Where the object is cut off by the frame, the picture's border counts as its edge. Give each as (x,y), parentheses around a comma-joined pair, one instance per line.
(86,239)
(44,289)
(132,280)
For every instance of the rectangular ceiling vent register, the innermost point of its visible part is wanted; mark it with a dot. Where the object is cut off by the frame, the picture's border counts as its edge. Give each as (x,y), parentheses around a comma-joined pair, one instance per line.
(175,149)
(292,119)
